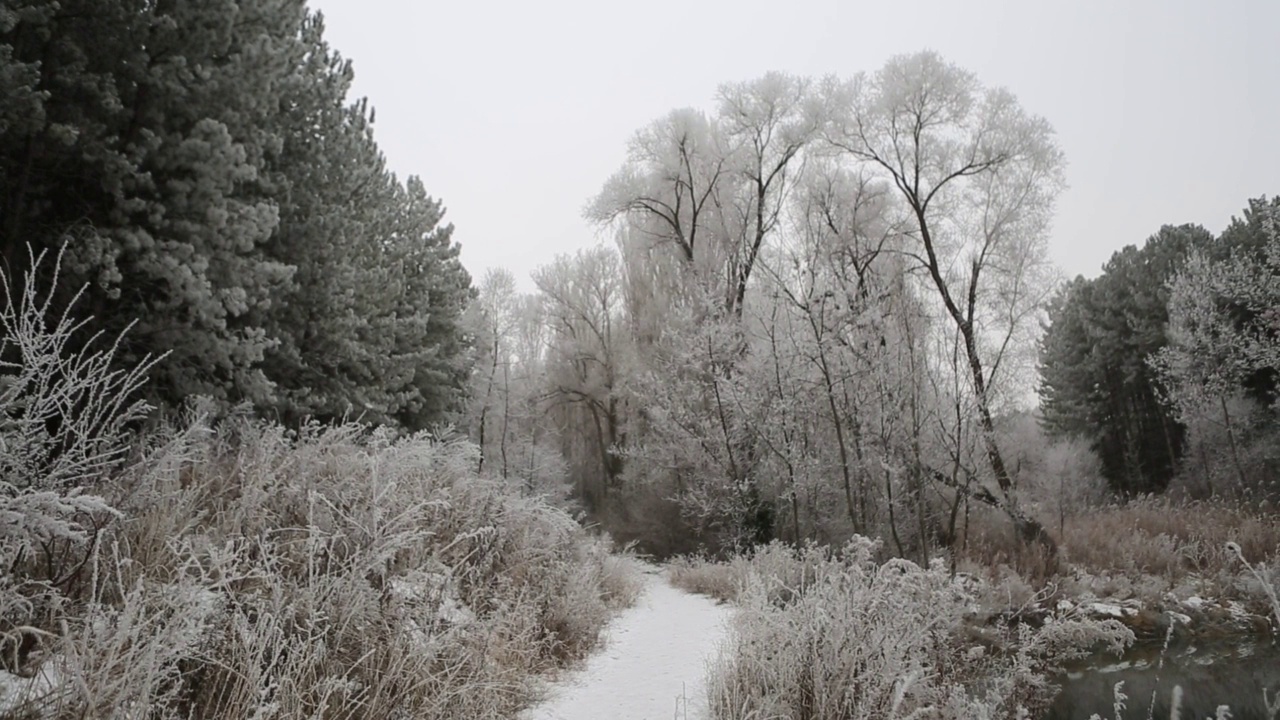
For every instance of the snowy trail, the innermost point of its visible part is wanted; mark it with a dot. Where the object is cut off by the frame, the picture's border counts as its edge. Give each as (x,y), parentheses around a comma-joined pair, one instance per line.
(652,664)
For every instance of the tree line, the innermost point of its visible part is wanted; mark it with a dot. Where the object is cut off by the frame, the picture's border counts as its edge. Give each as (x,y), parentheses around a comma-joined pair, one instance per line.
(828,309)
(827,306)
(217,195)
(821,297)
(1167,364)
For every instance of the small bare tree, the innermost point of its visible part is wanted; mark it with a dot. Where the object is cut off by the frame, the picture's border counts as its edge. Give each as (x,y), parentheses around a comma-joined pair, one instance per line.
(64,415)
(65,412)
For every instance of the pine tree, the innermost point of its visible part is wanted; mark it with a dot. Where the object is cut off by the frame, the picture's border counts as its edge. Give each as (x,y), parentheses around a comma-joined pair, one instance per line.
(1096,382)
(211,180)
(150,164)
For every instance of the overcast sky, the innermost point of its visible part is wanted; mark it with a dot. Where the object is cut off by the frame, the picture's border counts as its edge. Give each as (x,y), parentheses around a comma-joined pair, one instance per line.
(515,113)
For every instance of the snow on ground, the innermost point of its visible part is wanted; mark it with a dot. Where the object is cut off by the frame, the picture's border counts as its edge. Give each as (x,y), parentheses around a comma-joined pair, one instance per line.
(22,694)
(652,664)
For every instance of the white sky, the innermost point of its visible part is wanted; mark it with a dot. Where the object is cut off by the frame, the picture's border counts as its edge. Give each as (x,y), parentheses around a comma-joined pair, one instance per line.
(514,113)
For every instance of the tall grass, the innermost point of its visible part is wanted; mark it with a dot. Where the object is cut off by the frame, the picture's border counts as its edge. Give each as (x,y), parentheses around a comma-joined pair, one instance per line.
(232,568)
(781,570)
(838,635)
(1146,548)
(1169,539)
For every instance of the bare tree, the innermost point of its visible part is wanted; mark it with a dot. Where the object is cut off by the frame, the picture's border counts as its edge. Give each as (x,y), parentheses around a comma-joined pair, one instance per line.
(493,319)
(768,123)
(715,188)
(582,298)
(977,177)
(664,191)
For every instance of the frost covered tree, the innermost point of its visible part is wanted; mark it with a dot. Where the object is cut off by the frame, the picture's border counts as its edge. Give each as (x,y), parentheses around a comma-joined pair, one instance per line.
(977,177)
(768,123)
(427,316)
(663,195)
(712,189)
(889,230)
(1224,337)
(696,206)
(334,323)
(493,317)
(581,297)
(838,278)
(147,155)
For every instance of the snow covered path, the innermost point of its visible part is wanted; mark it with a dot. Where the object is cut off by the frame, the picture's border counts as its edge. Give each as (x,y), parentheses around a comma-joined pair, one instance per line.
(652,664)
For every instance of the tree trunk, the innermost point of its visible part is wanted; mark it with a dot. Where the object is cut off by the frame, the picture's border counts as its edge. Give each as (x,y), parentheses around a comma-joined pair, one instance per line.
(506,416)
(841,444)
(1029,530)
(480,466)
(601,445)
(1231,442)
(893,522)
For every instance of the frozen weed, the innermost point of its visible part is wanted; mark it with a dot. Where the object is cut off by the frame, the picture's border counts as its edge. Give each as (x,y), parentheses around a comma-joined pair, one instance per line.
(853,638)
(233,568)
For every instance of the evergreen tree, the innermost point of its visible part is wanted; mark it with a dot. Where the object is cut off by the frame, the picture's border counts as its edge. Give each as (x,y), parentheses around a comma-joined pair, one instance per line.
(437,292)
(212,183)
(149,161)
(1096,382)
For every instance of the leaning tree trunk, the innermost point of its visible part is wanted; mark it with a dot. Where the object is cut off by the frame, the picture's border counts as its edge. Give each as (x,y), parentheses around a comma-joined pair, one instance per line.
(1029,529)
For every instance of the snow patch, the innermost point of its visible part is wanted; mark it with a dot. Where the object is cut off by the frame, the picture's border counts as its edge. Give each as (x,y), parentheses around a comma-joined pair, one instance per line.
(1238,612)
(1109,610)
(29,693)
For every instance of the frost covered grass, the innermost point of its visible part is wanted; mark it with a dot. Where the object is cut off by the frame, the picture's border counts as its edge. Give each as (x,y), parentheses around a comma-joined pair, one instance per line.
(231,568)
(335,573)
(839,635)
(787,571)
(1169,539)
(722,581)
(1154,552)
(619,579)
(1149,549)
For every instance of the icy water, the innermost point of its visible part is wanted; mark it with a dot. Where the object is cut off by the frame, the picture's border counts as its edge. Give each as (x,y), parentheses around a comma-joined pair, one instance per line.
(1210,675)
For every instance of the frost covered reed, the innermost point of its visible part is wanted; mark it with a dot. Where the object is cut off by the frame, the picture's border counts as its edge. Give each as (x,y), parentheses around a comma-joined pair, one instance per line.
(847,637)
(229,568)
(335,573)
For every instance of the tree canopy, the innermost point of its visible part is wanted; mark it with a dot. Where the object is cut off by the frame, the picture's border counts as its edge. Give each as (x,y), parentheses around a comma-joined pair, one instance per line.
(220,195)
(1096,381)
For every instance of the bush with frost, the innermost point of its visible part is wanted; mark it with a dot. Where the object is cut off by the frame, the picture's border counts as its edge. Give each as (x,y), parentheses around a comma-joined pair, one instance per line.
(64,418)
(860,639)
(233,568)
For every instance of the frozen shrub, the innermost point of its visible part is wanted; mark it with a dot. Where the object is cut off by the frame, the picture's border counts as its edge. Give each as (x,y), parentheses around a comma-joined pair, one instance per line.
(63,420)
(329,573)
(234,568)
(857,639)
(64,428)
